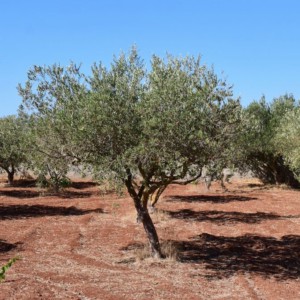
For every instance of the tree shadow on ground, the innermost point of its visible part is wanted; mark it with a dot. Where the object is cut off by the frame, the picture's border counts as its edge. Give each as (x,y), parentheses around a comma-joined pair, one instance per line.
(25,194)
(256,185)
(73,194)
(225,217)
(80,185)
(24,183)
(6,247)
(12,212)
(22,194)
(226,256)
(210,198)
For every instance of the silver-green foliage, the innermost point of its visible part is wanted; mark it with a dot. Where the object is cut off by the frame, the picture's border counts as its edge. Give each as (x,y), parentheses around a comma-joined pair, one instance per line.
(288,139)
(162,121)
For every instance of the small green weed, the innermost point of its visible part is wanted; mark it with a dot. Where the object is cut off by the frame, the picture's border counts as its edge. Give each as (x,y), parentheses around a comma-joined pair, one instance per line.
(6,267)
(115,206)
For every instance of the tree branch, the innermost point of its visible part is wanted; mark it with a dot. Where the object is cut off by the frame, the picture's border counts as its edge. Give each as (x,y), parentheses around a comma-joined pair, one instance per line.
(188,181)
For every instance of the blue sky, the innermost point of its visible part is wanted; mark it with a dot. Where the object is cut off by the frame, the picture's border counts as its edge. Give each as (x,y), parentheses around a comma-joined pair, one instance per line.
(256,43)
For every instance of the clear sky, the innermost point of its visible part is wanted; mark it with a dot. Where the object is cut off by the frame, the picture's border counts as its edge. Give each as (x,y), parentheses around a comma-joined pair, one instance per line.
(256,43)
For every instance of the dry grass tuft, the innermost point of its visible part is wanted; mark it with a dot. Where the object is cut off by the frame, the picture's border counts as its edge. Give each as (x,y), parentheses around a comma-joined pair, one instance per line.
(168,249)
(141,253)
(160,216)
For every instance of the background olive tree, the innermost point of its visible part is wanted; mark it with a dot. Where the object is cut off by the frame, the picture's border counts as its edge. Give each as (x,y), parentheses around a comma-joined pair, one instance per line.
(287,139)
(50,122)
(258,150)
(13,145)
(47,157)
(143,129)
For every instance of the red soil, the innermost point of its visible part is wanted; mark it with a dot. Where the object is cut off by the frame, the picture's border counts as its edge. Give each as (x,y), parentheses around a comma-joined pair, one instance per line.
(242,244)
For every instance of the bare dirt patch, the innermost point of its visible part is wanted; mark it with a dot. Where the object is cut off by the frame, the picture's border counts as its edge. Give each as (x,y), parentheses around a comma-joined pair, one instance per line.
(82,244)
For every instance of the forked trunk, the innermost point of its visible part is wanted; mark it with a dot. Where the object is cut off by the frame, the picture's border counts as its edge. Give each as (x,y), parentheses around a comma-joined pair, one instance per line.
(156,195)
(143,215)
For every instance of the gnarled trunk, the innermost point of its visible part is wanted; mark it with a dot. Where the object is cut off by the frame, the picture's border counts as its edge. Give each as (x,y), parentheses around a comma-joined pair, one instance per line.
(151,233)
(140,203)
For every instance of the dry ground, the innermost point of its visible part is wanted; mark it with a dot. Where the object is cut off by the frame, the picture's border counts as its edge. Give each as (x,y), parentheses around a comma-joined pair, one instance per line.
(242,244)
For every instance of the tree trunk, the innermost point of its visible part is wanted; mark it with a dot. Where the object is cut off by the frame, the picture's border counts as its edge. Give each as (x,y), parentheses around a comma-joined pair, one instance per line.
(144,217)
(151,233)
(10,175)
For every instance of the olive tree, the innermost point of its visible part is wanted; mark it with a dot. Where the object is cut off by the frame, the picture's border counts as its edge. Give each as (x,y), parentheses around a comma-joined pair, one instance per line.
(258,149)
(12,145)
(287,139)
(143,129)
(47,117)
(47,157)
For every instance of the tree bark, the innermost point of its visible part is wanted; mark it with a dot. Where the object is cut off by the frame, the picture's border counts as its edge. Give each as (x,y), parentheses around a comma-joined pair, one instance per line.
(10,177)
(10,170)
(150,232)
(144,217)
